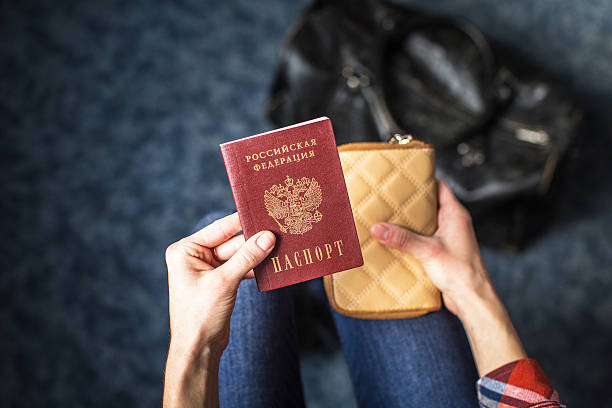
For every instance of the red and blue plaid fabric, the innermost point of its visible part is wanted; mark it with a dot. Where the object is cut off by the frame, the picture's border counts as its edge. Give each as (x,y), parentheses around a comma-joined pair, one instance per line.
(519,384)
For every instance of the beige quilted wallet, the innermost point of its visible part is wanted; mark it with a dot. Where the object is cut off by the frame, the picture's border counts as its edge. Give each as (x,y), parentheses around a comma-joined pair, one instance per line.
(393,183)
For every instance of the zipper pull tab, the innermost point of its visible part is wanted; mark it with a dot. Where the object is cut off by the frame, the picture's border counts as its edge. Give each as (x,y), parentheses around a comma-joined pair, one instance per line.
(400,139)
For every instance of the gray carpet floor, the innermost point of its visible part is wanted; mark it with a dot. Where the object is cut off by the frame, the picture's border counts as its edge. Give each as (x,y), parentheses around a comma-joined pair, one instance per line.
(111,113)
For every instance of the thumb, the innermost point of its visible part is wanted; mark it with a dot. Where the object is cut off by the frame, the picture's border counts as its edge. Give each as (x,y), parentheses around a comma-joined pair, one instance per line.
(250,254)
(403,239)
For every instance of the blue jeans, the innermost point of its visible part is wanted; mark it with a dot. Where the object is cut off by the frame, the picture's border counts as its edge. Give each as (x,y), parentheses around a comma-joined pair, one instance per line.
(417,362)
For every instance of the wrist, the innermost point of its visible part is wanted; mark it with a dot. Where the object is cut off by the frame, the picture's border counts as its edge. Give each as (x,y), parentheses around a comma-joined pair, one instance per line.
(194,353)
(492,336)
(471,302)
(191,375)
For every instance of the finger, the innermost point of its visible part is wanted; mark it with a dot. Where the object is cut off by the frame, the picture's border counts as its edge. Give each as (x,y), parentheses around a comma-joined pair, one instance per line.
(254,250)
(218,232)
(403,239)
(446,196)
(227,249)
(450,210)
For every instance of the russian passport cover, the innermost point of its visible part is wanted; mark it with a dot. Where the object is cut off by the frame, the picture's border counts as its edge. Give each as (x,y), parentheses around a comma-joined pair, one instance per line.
(290,181)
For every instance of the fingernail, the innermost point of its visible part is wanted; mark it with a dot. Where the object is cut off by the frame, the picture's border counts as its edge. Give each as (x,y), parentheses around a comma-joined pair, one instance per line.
(265,241)
(380,231)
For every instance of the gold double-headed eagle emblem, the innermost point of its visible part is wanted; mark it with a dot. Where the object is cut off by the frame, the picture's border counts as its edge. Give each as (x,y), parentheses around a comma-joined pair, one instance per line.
(294,205)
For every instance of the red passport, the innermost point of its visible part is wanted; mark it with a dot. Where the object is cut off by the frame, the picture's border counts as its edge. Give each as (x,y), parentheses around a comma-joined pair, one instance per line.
(290,181)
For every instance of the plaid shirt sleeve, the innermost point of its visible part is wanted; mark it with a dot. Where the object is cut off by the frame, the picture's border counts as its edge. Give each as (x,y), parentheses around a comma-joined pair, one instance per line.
(519,384)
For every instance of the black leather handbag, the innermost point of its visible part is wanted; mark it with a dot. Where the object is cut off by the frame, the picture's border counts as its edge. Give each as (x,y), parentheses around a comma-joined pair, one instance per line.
(499,124)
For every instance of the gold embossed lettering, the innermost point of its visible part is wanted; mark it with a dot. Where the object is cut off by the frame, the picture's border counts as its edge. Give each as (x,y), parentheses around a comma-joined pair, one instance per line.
(338,245)
(288,264)
(296,258)
(307,256)
(319,253)
(328,250)
(277,264)
(313,142)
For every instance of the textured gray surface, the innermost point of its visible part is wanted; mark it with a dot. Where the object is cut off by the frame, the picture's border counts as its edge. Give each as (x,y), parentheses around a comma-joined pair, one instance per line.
(110,118)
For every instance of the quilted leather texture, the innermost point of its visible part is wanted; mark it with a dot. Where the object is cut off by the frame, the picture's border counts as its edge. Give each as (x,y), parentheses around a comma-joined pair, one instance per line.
(393,183)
